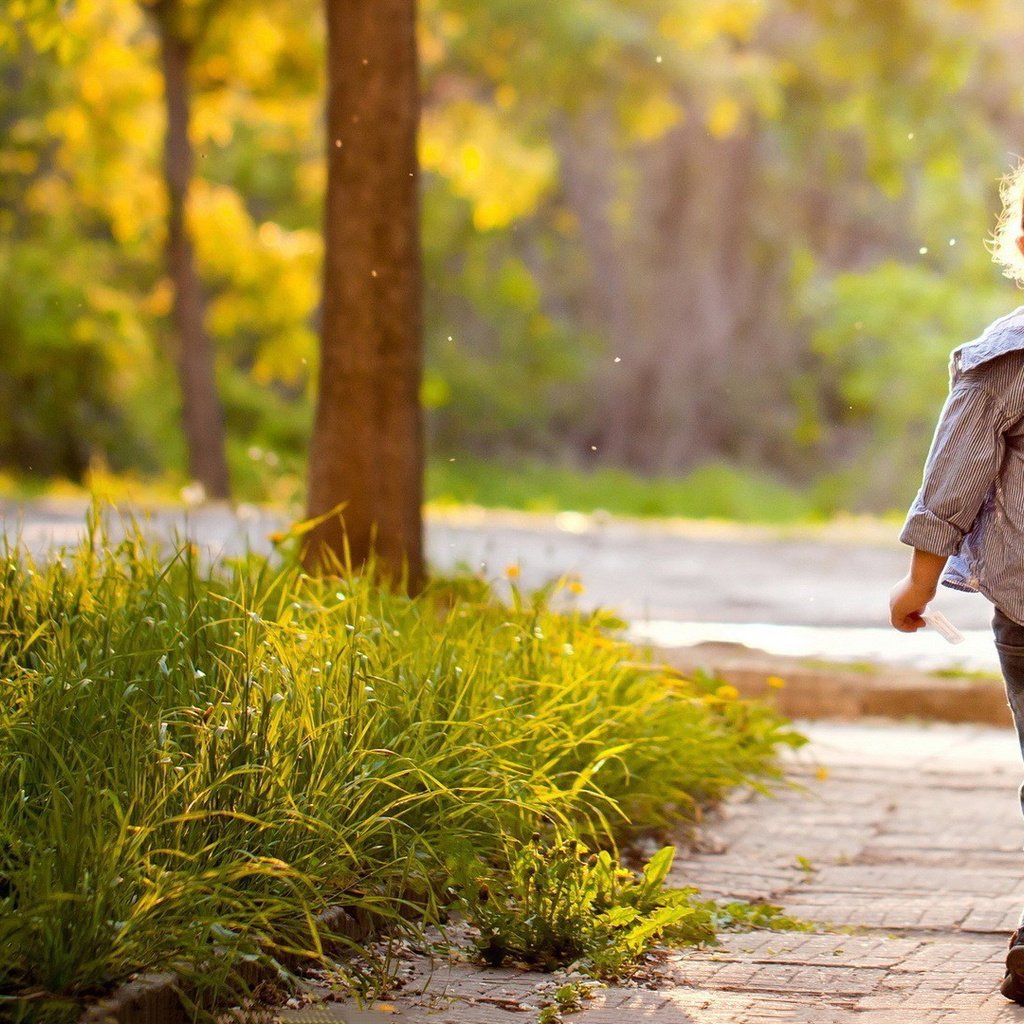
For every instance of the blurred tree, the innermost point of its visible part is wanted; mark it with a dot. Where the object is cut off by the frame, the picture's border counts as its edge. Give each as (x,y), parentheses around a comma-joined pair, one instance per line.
(84,205)
(702,148)
(366,456)
(181,25)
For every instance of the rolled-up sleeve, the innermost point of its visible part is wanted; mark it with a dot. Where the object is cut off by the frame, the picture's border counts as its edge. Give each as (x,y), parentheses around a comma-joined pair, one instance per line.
(963,462)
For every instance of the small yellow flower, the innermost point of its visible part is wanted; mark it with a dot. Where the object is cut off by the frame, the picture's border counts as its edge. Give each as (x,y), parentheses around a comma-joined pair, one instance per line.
(276,537)
(575,587)
(512,572)
(775,682)
(727,692)
(822,773)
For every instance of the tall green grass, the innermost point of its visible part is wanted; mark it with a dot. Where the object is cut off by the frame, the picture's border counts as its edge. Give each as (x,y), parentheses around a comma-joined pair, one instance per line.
(197,759)
(714,491)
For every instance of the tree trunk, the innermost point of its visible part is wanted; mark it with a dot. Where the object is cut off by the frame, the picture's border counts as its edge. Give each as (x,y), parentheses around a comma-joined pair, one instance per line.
(367,449)
(586,150)
(202,415)
(684,294)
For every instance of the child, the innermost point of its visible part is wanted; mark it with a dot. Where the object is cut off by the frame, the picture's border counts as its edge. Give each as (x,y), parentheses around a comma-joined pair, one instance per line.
(966,524)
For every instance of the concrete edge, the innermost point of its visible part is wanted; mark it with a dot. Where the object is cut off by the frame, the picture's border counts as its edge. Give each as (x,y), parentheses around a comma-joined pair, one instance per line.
(799,689)
(155,997)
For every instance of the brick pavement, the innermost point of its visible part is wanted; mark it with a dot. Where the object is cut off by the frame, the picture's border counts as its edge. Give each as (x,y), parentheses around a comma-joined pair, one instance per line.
(909,847)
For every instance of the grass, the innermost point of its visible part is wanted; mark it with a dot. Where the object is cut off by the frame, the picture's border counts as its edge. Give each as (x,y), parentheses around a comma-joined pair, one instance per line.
(197,759)
(716,491)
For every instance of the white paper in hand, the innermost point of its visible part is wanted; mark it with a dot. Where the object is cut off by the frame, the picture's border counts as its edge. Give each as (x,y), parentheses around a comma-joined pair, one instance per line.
(942,625)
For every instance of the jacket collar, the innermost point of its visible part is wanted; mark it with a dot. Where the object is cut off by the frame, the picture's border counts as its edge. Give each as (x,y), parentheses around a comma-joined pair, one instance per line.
(1003,335)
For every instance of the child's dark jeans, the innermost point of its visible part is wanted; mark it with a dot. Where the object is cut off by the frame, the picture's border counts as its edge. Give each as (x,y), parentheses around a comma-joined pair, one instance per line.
(1010,646)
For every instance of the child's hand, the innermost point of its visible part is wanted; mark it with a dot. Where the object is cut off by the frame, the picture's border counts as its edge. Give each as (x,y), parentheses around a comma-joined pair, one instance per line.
(907,603)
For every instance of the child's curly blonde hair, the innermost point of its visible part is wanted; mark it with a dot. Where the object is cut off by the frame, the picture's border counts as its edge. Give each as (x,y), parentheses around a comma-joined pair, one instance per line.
(1010,226)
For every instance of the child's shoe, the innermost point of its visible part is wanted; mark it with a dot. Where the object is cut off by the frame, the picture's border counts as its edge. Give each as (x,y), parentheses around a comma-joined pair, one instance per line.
(1013,984)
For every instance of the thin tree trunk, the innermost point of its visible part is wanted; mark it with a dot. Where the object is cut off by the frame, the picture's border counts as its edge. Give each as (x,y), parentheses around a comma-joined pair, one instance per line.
(202,415)
(367,449)
(589,165)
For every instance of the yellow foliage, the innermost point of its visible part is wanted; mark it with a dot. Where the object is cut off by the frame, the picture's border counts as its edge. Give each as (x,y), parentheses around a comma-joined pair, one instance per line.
(107,137)
(452,25)
(133,212)
(472,159)
(223,230)
(70,123)
(212,121)
(158,302)
(431,48)
(271,280)
(216,68)
(311,178)
(705,22)
(724,117)
(286,358)
(104,299)
(505,96)
(435,392)
(254,59)
(486,162)
(651,117)
(13,161)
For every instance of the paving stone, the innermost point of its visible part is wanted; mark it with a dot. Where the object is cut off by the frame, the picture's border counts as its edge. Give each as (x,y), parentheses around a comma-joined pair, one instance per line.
(910,846)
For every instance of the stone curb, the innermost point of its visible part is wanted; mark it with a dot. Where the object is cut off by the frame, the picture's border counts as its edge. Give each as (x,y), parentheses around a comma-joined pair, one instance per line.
(813,691)
(155,997)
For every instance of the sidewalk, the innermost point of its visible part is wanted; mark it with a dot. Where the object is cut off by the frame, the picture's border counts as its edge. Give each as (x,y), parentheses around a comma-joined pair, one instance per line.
(909,846)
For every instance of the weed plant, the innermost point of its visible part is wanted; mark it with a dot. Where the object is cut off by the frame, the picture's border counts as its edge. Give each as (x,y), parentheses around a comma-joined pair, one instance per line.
(196,759)
(557,904)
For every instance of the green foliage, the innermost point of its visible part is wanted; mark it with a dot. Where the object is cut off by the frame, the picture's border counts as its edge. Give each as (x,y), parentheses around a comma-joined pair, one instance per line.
(197,758)
(558,904)
(741,915)
(506,334)
(568,998)
(885,336)
(60,377)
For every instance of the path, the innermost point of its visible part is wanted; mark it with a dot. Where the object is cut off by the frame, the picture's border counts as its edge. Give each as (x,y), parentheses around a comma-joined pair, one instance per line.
(911,853)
